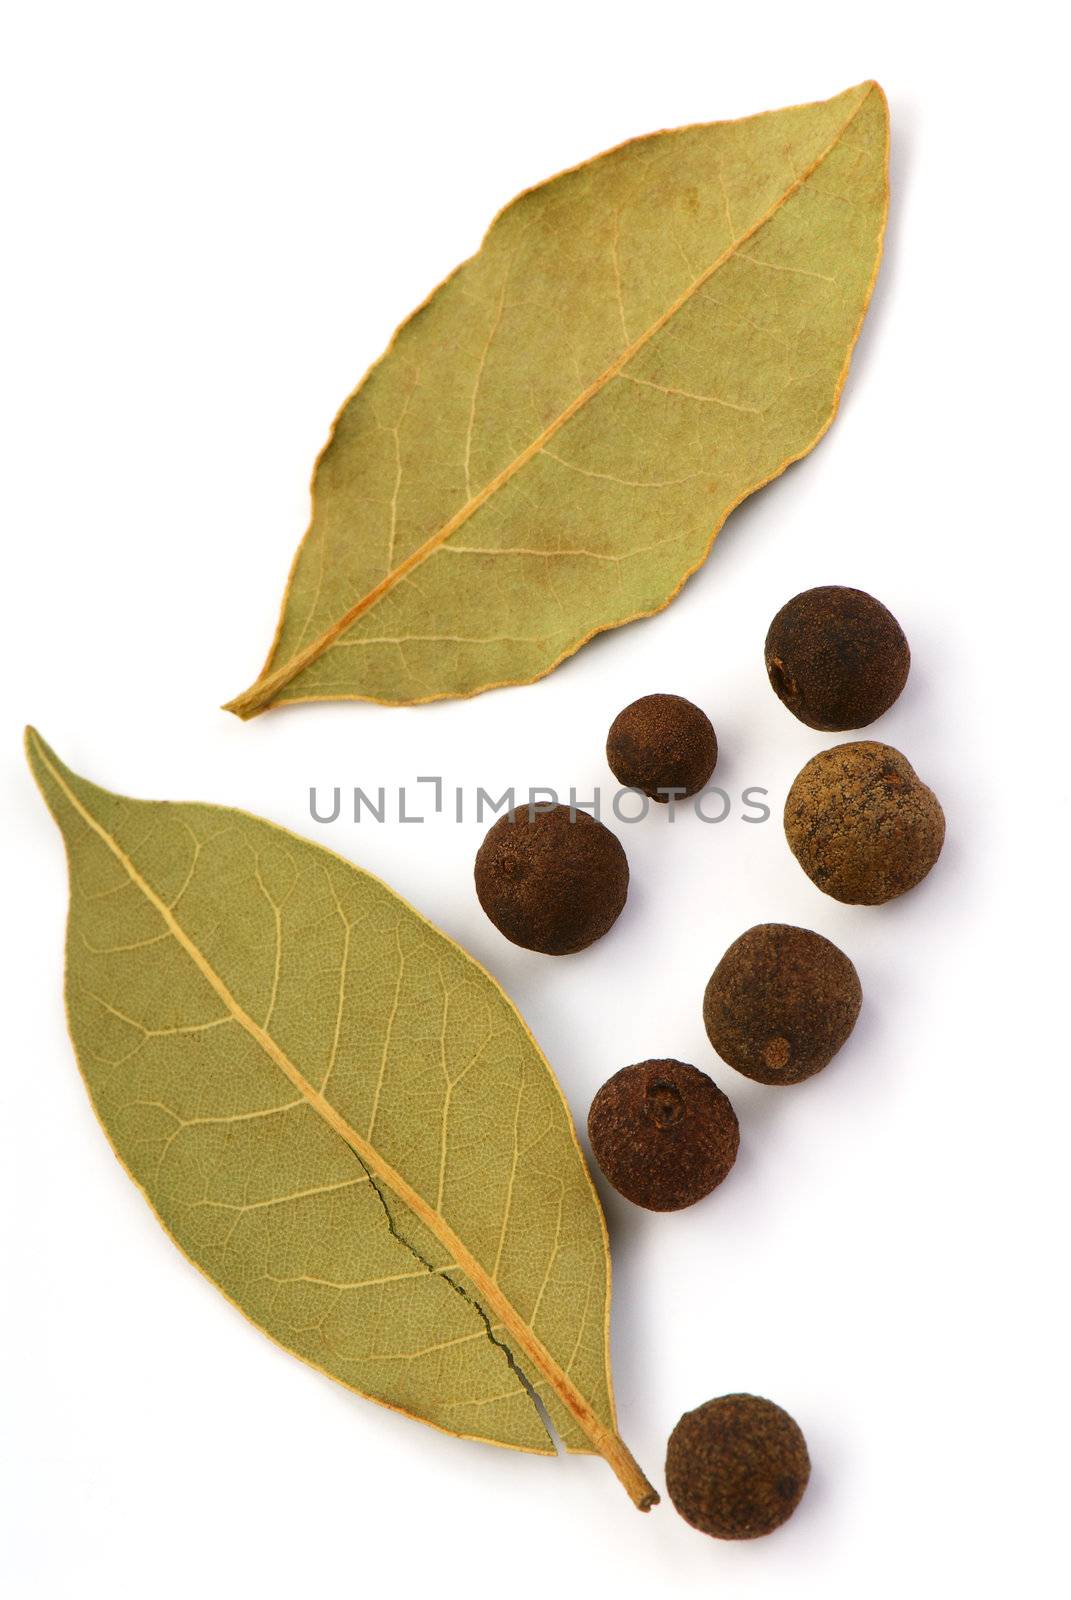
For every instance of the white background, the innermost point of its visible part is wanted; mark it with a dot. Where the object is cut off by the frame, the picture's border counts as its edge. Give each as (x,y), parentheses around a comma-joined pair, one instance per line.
(214,217)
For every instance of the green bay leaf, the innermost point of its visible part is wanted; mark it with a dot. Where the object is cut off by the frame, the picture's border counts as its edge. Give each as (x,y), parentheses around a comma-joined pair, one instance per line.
(339,1116)
(552,441)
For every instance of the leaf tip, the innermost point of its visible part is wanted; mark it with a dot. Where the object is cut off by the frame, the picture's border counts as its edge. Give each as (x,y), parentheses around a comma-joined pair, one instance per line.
(39,757)
(33,744)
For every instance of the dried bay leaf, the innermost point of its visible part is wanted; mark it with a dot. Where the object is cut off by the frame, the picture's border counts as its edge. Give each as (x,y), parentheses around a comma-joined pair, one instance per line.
(338,1116)
(552,441)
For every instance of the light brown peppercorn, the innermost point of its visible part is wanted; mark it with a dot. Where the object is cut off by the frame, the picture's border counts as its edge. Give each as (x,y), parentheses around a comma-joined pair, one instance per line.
(837,658)
(663,1134)
(736,1467)
(780,1003)
(662,745)
(862,824)
(550,881)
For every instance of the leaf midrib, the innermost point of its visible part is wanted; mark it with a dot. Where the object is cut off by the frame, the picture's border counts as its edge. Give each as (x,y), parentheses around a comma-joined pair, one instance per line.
(264,690)
(603,1439)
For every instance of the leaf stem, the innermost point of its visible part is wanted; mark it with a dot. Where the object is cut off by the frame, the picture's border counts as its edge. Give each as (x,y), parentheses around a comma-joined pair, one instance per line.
(619,1457)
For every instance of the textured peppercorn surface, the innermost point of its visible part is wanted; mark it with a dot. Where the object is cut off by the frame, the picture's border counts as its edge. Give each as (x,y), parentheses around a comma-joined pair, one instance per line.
(862,824)
(736,1467)
(780,1003)
(837,658)
(551,882)
(663,1134)
(662,742)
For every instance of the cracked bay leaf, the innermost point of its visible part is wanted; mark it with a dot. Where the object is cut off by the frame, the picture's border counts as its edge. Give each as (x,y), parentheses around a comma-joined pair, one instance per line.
(552,441)
(339,1116)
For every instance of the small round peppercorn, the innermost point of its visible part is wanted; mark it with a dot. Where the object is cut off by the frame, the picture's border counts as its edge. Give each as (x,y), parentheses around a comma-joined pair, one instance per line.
(837,658)
(736,1467)
(663,1134)
(862,824)
(780,1003)
(550,880)
(663,746)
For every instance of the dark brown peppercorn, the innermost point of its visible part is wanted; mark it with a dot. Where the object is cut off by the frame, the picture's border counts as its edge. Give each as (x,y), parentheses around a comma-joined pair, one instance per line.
(862,824)
(780,1003)
(736,1468)
(662,743)
(837,658)
(663,1134)
(551,882)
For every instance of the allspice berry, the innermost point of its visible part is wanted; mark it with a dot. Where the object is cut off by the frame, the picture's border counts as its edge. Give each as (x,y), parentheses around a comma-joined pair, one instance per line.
(663,1134)
(550,880)
(662,745)
(837,658)
(862,824)
(780,1003)
(736,1467)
